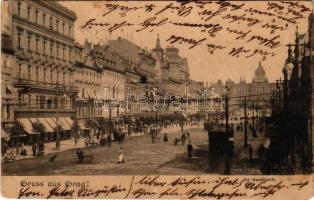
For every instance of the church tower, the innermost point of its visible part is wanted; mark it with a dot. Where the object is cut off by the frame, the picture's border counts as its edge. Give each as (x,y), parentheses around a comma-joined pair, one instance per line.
(158,50)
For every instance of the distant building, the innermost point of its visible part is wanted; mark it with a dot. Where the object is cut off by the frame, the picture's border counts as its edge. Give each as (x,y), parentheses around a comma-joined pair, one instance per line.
(173,71)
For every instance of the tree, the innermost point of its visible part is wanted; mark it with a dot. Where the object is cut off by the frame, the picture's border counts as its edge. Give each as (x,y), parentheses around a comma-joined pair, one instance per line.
(102,125)
(75,129)
(39,128)
(16,131)
(91,125)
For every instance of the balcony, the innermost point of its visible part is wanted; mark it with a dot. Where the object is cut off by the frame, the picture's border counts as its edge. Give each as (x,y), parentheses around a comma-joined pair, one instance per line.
(25,83)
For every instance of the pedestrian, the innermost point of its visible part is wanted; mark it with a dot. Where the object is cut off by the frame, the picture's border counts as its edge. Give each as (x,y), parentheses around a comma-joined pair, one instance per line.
(109,140)
(34,148)
(188,134)
(254,132)
(183,138)
(250,153)
(261,151)
(165,138)
(80,155)
(23,151)
(176,140)
(86,141)
(190,149)
(4,148)
(121,156)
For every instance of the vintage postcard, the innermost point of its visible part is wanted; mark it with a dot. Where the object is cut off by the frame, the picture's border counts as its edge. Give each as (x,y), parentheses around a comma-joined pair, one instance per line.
(157,99)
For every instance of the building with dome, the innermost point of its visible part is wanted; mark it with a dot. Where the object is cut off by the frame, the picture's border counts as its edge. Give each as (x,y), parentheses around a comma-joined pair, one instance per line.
(257,93)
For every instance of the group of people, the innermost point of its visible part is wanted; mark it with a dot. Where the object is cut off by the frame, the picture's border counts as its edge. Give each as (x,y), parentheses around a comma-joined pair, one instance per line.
(261,152)
(38,149)
(184,136)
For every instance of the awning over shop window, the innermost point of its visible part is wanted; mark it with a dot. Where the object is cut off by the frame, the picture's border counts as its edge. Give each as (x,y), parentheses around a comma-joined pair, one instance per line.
(54,119)
(4,134)
(69,120)
(82,126)
(51,122)
(28,127)
(48,127)
(33,120)
(64,124)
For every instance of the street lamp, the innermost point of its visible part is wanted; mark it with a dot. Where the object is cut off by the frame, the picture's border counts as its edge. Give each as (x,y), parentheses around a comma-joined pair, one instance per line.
(57,127)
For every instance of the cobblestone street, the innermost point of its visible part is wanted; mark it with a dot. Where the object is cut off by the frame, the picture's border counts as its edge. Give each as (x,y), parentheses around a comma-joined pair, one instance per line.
(141,157)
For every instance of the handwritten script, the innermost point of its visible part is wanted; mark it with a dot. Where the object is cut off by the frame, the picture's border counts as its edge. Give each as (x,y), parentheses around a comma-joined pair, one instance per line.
(236,29)
(191,187)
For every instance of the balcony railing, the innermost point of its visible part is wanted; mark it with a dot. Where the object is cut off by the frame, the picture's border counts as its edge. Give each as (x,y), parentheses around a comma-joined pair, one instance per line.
(44,85)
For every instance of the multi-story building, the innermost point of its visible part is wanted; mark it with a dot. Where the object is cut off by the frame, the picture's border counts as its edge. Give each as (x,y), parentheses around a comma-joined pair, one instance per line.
(172,70)
(140,73)
(99,74)
(257,94)
(293,103)
(43,41)
(8,96)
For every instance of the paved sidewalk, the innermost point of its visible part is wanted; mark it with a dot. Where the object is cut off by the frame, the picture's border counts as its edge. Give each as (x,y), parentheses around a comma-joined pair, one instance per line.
(70,143)
(241,162)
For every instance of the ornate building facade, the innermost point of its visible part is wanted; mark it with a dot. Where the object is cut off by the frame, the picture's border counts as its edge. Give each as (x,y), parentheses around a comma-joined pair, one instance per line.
(42,73)
(172,70)
(296,100)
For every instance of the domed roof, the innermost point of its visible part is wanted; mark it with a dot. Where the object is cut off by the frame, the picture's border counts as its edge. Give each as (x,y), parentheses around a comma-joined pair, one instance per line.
(260,74)
(229,80)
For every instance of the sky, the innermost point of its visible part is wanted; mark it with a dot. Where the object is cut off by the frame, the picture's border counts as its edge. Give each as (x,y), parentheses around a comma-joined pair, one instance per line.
(203,65)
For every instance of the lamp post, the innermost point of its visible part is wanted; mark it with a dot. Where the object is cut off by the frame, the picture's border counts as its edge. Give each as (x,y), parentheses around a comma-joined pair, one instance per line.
(57,127)
(227,149)
(245,124)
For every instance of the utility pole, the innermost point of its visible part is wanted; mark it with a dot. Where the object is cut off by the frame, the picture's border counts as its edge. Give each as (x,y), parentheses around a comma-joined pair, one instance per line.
(253,114)
(110,121)
(245,124)
(57,128)
(227,113)
(227,151)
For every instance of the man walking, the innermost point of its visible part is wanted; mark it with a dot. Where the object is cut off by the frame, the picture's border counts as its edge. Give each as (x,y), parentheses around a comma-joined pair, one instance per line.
(183,138)
(109,139)
(251,153)
(190,149)
(261,151)
(34,148)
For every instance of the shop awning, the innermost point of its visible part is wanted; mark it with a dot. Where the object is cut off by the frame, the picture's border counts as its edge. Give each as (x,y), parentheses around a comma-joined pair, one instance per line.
(82,126)
(64,124)
(28,127)
(33,120)
(54,119)
(69,120)
(48,127)
(51,123)
(4,134)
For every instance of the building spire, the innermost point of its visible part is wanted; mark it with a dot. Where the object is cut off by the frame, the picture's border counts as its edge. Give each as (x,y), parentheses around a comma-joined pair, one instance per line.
(158,46)
(290,58)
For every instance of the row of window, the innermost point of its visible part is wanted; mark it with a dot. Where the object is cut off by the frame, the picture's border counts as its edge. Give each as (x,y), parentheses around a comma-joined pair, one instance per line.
(44,46)
(33,14)
(43,75)
(43,102)
(89,111)
(113,92)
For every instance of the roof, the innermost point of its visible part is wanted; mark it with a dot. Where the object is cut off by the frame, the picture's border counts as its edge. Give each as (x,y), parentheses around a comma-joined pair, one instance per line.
(127,49)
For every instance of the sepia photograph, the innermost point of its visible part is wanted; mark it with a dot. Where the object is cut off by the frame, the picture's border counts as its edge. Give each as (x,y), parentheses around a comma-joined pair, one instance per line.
(150,89)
